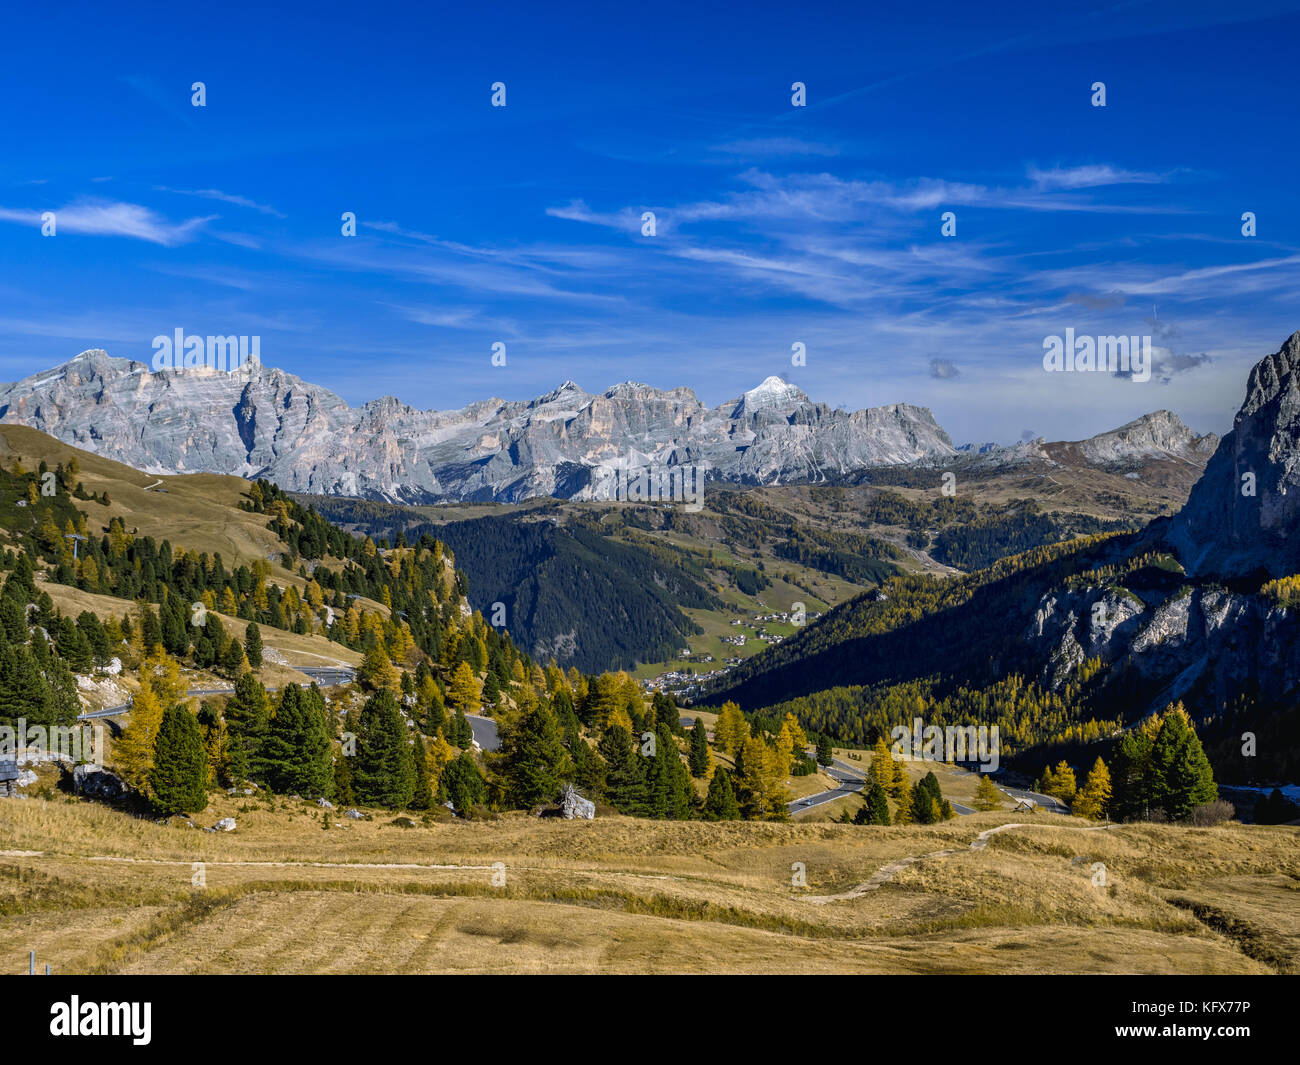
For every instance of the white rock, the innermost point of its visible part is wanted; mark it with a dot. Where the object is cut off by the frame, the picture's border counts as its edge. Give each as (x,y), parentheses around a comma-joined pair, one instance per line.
(575,806)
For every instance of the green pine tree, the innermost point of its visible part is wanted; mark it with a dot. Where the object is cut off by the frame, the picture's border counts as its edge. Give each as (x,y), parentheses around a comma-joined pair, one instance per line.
(253,645)
(624,771)
(422,797)
(462,733)
(464,783)
(180,764)
(720,804)
(668,783)
(699,749)
(588,768)
(384,773)
(535,760)
(233,662)
(248,718)
(875,807)
(296,755)
(1180,777)
(927,802)
(1132,757)
(343,793)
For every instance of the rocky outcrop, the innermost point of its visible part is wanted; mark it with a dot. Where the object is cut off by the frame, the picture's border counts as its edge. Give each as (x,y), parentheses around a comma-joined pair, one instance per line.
(96,782)
(1242,516)
(1203,645)
(1073,627)
(1192,638)
(258,421)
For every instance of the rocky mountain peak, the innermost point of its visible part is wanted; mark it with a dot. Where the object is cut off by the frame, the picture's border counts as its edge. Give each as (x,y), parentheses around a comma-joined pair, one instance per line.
(1242,515)
(1272,378)
(1152,435)
(565,390)
(771,394)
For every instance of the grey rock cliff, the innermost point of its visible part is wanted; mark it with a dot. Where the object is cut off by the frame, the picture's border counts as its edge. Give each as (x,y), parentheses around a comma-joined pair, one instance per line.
(1203,645)
(1242,515)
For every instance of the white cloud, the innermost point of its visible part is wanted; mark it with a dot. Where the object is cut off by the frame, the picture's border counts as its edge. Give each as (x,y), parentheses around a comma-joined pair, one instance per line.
(98,218)
(1087,177)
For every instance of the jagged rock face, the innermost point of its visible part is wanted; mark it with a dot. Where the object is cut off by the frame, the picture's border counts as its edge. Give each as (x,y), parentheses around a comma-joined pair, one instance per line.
(261,422)
(1203,643)
(1229,526)
(1075,626)
(1206,641)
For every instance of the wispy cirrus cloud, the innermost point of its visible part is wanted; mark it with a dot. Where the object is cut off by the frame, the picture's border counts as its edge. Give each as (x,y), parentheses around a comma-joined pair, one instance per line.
(104,218)
(448,317)
(826,198)
(1088,177)
(224,197)
(626,219)
(763,147)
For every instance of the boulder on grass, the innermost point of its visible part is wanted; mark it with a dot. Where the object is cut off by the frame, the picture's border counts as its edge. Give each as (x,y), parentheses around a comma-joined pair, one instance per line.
(575,806)
(96,782)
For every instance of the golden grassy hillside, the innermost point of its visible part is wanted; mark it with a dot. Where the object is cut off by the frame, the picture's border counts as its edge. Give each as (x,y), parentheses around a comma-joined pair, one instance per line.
(196,511)
(91,889)
(199,511)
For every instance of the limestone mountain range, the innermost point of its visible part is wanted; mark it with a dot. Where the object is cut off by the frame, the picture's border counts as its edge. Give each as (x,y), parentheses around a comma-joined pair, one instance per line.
(259,421)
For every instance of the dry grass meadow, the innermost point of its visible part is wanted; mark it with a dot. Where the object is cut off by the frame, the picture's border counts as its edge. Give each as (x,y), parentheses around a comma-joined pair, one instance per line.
(93,890)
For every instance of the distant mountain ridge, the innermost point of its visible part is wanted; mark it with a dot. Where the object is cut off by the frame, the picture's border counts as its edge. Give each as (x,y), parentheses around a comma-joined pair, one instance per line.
(259,421)
(1158,435)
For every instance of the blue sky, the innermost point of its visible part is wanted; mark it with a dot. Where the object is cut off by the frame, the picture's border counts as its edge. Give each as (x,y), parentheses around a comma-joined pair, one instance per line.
(775,224)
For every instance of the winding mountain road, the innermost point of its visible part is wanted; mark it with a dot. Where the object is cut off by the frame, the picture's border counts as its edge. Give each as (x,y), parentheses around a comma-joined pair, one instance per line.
(325,676)
(851,780)
(485,732)
(484,728)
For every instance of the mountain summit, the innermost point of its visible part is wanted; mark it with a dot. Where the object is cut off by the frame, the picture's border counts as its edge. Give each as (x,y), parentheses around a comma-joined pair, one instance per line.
(772,394)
